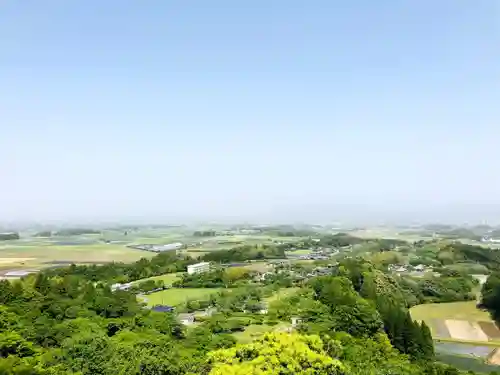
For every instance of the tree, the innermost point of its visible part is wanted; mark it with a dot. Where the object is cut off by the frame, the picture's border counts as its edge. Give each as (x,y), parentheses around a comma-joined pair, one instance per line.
(233,274)
(9,236)
(276,353)
(11,343)
(427,342)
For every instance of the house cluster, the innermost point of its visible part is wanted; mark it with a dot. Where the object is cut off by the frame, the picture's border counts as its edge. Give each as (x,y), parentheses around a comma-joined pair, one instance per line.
(315,254)
(185,318)
(401,268)
(157,248)
(16,274)
(490,239)
(119,286)
(298,275)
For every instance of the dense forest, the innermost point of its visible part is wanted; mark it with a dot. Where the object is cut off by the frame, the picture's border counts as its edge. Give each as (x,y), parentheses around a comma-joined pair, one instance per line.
(76,231)
(165,262)
(491,296)
(354,320)
(247,252)
(9,236)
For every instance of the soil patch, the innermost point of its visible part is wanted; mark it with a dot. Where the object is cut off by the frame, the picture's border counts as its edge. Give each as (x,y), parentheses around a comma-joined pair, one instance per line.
(465,330)
(439,329)
(490,329)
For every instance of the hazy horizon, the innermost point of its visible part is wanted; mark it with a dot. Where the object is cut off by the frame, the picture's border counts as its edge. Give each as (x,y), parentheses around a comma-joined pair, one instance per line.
(264,111)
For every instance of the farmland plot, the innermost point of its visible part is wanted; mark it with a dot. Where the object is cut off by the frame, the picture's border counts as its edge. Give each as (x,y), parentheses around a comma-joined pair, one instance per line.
(465,330)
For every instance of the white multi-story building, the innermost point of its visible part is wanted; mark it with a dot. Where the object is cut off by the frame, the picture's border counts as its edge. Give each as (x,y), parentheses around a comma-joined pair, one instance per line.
(198,268)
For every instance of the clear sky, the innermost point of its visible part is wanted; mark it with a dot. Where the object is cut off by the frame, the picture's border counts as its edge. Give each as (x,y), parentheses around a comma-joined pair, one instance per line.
(269,110)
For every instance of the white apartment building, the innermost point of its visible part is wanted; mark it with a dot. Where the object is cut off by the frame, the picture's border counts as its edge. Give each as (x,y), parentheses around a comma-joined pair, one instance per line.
(198,268)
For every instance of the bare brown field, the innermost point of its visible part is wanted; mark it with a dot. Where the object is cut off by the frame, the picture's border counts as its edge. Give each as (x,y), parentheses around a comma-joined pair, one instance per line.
(465,330)
(490,329)
(439,329)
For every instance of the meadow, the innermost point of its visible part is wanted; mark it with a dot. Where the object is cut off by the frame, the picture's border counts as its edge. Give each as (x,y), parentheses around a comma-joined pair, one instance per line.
(282,293)
(168,278)
(253,331)
(452,310)
(178,296)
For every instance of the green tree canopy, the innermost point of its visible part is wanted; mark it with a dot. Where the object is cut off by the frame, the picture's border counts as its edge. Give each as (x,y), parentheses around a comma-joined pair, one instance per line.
(277,353)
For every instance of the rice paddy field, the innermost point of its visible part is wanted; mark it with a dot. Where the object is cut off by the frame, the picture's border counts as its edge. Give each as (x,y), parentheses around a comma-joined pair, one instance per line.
(467,362)
(458,322)
(453,310)
(110,246)
(23,256)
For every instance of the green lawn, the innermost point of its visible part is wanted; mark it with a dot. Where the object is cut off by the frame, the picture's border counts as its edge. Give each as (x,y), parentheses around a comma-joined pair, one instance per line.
(451,310)
(177,296)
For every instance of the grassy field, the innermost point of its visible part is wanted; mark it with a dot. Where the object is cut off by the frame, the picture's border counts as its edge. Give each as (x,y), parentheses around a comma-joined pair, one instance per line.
(168,278)
(452,310)
(177,296)
(253,331)
(299,252)
(258,266)
(282,293)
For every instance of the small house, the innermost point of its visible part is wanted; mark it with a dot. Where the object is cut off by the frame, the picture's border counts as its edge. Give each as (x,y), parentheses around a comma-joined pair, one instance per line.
(119,286)
(296,321)
(163,308)
(186,319)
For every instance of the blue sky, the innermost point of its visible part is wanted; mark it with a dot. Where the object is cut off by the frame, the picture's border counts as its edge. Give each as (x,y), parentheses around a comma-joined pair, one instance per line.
(258,110)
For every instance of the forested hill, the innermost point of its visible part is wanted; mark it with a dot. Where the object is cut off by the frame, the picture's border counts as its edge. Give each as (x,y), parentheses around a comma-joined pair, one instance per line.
(353,321)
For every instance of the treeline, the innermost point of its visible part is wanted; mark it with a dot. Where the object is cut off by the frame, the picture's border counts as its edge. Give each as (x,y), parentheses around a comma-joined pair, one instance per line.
(217,278)
(148,286)
(66,325)
(354,322)
(45,233)
(9,236)
(363,302)
(449,286)
(336,306)
(165,262)
(294,233)
(458,251)
(246,252)
(340,240)
(205,233)
(76,231)
(491,296)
